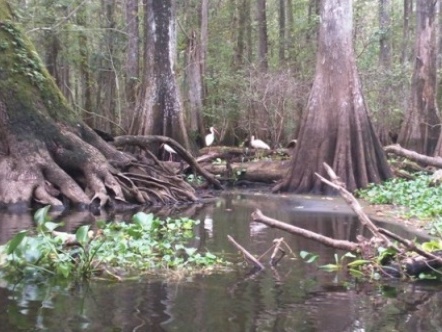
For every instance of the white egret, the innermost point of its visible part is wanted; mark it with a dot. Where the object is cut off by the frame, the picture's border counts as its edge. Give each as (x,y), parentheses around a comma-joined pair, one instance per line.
(210,138)
(258,144)
(169,150)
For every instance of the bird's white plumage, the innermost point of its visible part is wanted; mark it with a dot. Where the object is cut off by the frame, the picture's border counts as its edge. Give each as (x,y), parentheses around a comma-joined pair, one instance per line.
(258,144)
(169,150)
(210,138)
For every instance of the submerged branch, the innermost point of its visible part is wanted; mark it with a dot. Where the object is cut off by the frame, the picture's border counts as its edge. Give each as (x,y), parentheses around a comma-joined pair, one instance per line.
(410,245)
(258,216)
(248,255)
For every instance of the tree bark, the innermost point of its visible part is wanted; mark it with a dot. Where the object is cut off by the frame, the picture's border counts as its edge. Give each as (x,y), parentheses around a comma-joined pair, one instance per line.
(382,126)
(85,72)
(194,85)
(159,110)
(420,130)
(282,32)
(408,8)
(335,127)
(261,19)
(131,67)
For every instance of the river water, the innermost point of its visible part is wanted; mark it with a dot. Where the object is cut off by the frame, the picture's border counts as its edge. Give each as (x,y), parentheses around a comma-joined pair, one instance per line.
(294,296)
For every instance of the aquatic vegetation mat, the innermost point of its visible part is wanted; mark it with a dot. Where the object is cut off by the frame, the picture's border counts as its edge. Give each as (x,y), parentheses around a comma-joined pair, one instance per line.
(115,250)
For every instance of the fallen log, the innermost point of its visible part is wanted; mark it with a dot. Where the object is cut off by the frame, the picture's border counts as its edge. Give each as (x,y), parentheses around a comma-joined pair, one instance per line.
(256,171)
(412,155)
(258,216)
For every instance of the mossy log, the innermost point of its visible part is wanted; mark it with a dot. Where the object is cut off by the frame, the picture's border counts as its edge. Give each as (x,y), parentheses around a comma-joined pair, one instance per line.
(257,171)
(245,164)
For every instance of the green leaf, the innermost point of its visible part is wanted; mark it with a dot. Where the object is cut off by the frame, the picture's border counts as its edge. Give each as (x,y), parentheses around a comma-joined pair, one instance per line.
(349,255)
(358,262)
(308,256)
(312,259)
(432,245)
(64,269)
(41,216)
(304,254)
(50,226)
(144,220)
(82,234)
(210,255)
(190,251)
(101,224)
(15,241)
(329,267)
(356,273)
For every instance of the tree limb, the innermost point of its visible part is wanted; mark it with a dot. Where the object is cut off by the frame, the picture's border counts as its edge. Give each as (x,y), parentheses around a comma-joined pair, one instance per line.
(258,216)
(412,155)
(349,198)
(144,141)
(248,255)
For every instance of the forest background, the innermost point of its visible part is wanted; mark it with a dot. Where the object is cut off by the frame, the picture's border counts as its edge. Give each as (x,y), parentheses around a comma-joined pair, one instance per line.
(244,66)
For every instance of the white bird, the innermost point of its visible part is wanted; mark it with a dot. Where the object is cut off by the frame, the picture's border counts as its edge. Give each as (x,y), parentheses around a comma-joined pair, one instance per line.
(258,144)
(210,138)
(169,150)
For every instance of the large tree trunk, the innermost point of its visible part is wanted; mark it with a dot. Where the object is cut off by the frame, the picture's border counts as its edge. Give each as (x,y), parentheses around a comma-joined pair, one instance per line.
(131,66)
(282,42)
(261,20)
(420,129)
(159,110)
(85,78)
(335,127)
(408,8)
(194,85)
(48,155)
(381,124)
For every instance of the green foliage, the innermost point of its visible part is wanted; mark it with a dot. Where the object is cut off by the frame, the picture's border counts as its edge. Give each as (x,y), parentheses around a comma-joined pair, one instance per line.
(385,263)
(195,179)
(145,244)
(420,198)
(435,227)
(27,62)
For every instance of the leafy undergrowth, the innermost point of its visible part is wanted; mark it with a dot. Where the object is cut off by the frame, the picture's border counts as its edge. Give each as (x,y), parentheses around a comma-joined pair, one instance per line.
(419,196)
(116,250)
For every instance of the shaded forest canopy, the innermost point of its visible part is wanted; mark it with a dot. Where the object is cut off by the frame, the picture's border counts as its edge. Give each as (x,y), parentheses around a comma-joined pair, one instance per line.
(93,51)
(209,64)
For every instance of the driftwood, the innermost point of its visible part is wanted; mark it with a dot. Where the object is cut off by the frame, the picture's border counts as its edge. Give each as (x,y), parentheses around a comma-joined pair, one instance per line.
(423,262)
(354,204)
(412,155)
(240,163)
(256,171)
(258,216)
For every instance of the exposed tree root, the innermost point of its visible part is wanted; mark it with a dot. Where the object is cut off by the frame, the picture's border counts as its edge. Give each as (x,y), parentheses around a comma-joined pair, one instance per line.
(79,168)
(144,141)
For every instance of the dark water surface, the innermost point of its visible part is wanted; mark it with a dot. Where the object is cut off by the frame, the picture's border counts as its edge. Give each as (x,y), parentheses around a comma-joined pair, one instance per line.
(293,297)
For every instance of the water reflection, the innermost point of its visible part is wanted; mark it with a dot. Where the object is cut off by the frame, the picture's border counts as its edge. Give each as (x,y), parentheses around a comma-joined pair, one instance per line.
(293,297)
